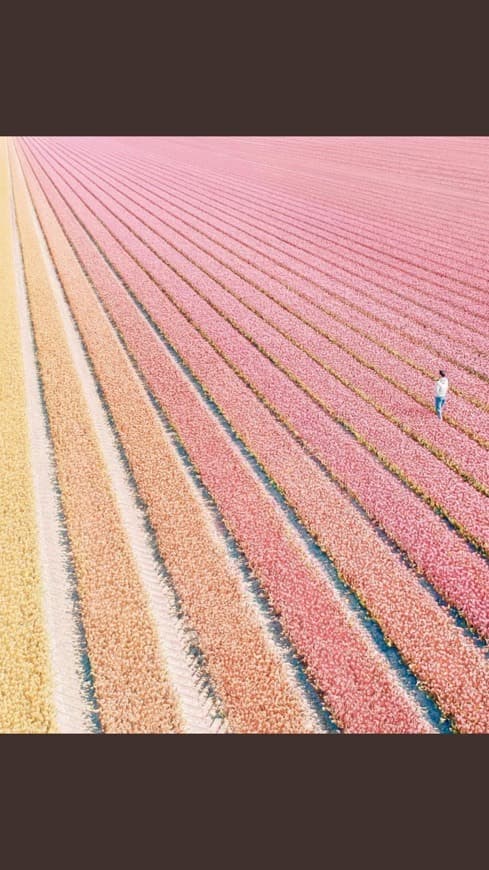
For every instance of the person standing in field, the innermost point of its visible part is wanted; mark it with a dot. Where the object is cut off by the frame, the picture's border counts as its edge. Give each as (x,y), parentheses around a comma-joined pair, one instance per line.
(441,391)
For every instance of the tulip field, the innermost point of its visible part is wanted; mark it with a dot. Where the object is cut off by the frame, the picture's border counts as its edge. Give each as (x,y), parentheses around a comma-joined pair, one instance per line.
(226,502)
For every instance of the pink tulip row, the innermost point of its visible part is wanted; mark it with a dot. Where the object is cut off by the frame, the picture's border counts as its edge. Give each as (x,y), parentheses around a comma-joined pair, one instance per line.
(342,231)
(433,210)
(300,237)
(473,360)
(463,505)
(363,693)
(464,585)
(109,237)
(242,184)
(357,682)
(338,229)
(385,233)
(445,489)
(295,243)
(468,342)
(276,193)
(425,473)
(387,236)
(461,412)
(357,286)
(397,203)
(407,217)
(383,332)
(245,668)
(456,449)
(327,247)
(414,354)
(408,613)
(388,366)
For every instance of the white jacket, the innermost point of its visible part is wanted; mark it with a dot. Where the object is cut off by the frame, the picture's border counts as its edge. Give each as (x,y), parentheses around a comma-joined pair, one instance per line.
(441,388)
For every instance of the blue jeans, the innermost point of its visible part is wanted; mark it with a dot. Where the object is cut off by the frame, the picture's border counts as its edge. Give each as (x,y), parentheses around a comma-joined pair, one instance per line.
(439,402)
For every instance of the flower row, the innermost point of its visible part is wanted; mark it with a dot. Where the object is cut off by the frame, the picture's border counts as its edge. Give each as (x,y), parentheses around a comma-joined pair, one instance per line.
(247,671)
(374,355)
(139,280)
(454,448)
(416,356)
(367,223)
(25,692)
(131,684)
(409,615)
(298,411)
(424,472)
(270,545)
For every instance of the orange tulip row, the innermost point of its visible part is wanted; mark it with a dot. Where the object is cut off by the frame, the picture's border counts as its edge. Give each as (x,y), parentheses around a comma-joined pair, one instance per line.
(131,684)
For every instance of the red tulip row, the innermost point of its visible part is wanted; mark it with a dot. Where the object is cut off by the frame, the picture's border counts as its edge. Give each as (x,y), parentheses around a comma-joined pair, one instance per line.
(408,613)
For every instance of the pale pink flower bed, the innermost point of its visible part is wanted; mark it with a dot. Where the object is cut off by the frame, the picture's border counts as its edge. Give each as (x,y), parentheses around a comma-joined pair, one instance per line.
(241,197)
(426,360)
(458,450)
(307,253)
(461,503)
(310,318)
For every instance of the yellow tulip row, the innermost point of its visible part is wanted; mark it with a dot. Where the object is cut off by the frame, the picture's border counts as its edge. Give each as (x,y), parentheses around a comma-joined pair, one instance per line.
(25,681)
